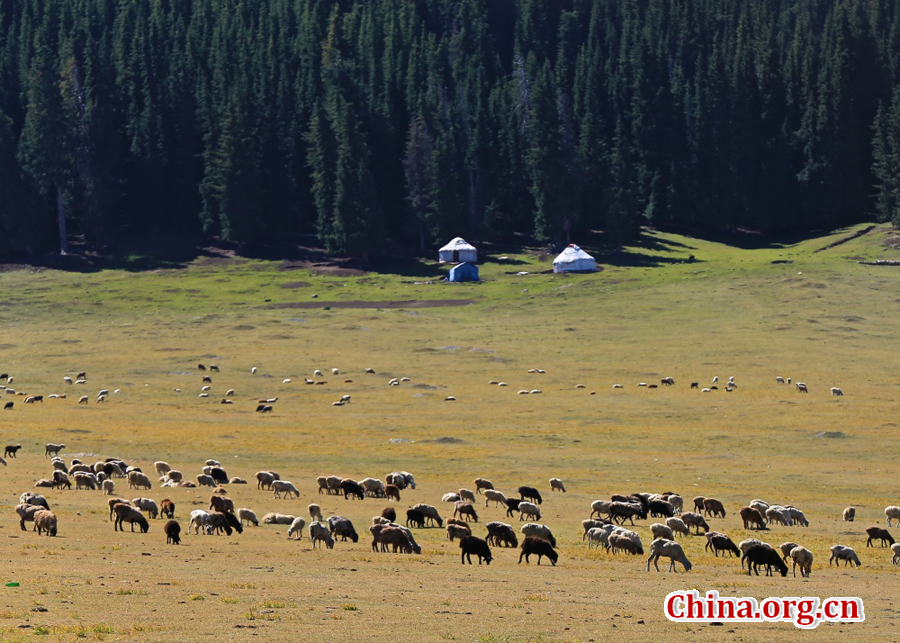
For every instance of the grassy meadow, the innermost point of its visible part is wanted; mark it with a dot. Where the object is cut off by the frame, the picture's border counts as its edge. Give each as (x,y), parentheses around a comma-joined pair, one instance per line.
(801,310)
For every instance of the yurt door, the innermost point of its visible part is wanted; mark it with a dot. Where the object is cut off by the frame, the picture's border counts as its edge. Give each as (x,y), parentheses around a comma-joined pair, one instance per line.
(456,256)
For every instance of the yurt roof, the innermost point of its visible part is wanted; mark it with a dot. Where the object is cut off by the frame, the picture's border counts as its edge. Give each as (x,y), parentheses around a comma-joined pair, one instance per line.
(458,244)
(572,253)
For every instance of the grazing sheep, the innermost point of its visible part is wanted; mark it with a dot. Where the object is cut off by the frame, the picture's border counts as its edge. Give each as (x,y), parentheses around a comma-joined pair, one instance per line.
(846,554)
(501,534)
(752,516)
(698,503)
(277,519)
(759,505)
(394,536)
(530,509)
(745,546)
(11,450)
(137,480)
(431,514)
(127,513)
(539,546)
(450,497)
(598,536)
(248,516)
(589,523)
(315,512)
(173,532)
(457,531)
(660,509)
(85,480)
(757,555)
(530,493)
(467,495)
(174,476)
(836,391)
(26,513)
(342,527)
(373,487)
(352,488)
(786,549)
(296,528)
(671,550)
(658,530)
(620,511)
(320,533)
(219,522)
(777,513)
(677,525)
(600,507)
(892,512)
(849,514)
(392,492)
(284,487)
(146,504)
(417,518)
(408,479)
(481,484)
(720,542)
(221,503)
(205,480)
(108,487)
(264,480)
(60,480)
(692,519)
(45,521)
(895,548)
(880,534)
(465,509)
(801,387)
(167,508)
(51,449)
(469,545)
(512,504)
(557,485)
(494,495)
(539,531)
(797,516)
(803,557)
(713,507)
(322,481)
(628,542)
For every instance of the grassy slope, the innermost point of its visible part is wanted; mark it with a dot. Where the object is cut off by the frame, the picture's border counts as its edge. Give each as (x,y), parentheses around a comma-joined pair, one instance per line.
(823,319)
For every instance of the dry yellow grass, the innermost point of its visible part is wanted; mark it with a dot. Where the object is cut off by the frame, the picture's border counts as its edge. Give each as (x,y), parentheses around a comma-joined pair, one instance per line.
(824,320)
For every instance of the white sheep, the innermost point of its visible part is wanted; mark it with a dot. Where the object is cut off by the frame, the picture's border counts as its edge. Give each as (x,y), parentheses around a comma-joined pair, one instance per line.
(296,528)
(162,468)
(895,548)
(108,487)
(373,487)
(677,525)
(277,519)
(320,532)
(466,494)
(676,501)
(315,512)
(797,515)
(200,520)
(598,536)
(892,512)
(148,505)
(494,495)
(450,497)
(538,530)
(759,505)
(777,513)
(671,550)
(803,557)
(529,508)
(600,507)
(248,516)
(557,485)
(846,554)
(849,514)
(659,530)
(84,480)
(286,487)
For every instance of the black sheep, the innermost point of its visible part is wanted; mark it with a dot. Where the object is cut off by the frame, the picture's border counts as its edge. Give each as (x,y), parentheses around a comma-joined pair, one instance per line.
(762,555)
(474,545)
(722,542)
(539,546)
(173,531)
(530,493)
(512,504)
(881,534)
(351,487)
(218,474)
(417,518)
(661,508)
(234,522)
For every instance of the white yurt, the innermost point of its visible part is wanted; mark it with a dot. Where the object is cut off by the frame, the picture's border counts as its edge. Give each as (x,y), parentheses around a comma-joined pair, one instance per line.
(574,259)
(458,251)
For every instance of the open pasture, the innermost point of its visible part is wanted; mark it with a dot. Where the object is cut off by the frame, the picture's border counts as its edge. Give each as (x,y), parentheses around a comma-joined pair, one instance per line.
(823,319)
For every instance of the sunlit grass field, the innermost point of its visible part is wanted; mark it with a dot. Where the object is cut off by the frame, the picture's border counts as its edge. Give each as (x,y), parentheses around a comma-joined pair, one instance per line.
(797,310)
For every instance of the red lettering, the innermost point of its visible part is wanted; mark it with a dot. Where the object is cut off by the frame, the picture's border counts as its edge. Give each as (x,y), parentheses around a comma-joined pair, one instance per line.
(745,609)
(675,605)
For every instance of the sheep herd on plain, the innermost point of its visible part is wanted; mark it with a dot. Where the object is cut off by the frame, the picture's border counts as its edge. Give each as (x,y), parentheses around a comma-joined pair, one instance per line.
(603,528)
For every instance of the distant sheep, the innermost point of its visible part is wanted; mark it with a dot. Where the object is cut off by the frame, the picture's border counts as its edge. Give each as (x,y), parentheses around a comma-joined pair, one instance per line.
(786,549)
(205,480)
(342,527)
(720,542)
(895,549)
(530,509)
(277,519)
(846,554)
(137,480)
(108,487)
(26,513)
(797,516)
(457,531)
(557,485)
(11,450)
(264,480)
(466,510)
(392,492)
(600,507)
(389,513)
(671,550)
(352,488)
(777,513)
(678,526)
(493,495)
(430,513)
(752,516)
(658,530)
(530,493)
(836,391)
(481,484)
(127,513)
(148,505)
(173,532)
(849,514)
(540,547)
(804,558)
(373,487)
(51,449)
(501,534)
(713,507)
(450,496)
(167,508)
(467,495)
(892,512)
(695,520)
(315,512)
(801,387)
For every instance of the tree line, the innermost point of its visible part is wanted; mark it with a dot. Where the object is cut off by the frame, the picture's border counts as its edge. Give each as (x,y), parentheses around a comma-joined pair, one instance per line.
(418,120)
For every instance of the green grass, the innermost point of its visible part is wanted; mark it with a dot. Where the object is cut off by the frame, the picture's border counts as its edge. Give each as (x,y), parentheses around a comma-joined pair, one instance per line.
(823,319)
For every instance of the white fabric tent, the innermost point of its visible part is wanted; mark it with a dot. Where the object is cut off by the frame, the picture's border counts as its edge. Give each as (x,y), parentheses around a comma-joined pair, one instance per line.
(574,259)
(458,251)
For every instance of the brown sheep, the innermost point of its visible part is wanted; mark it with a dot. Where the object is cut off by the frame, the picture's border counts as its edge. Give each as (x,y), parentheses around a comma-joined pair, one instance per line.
(26,513)
(457,531)
(397,538)
(113,502)
(167,508)
(45,521)
(392,492)
(713,507)
(221,503)
(752,516)
(695,520)
(539,546)
(464,510)
(698,503)
(127,513)
(173,532)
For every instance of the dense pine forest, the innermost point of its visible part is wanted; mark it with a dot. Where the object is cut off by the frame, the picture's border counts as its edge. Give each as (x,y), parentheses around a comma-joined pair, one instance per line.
(417,120)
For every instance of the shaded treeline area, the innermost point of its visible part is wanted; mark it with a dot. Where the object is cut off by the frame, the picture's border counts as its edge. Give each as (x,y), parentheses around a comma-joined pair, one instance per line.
(416,120)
